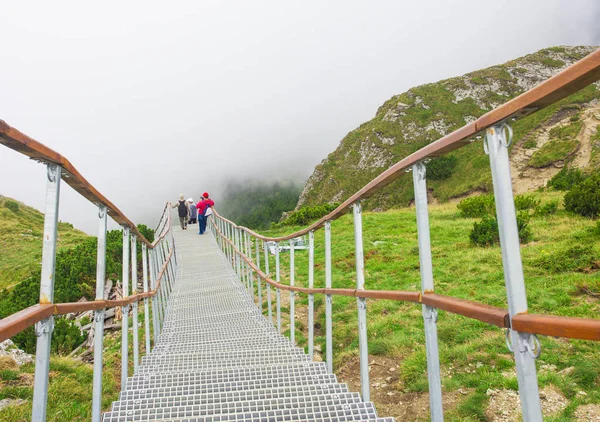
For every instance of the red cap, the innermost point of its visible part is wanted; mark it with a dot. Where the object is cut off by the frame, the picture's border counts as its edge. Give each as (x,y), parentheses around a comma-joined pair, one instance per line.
(205,194)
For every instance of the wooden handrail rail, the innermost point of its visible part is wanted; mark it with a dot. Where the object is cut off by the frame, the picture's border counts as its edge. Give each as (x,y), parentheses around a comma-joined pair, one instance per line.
(572,79)
(559,326)
(18,141)
(17,322)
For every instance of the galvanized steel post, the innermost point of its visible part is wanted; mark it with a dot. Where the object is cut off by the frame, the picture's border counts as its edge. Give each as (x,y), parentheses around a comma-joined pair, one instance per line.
(99,316)
(125,310)
(292,302)
(146,311)
(134,305)
(363,346)
(155,298)
(523,348)
(311,297)
(429,313)
(328,300)
(278,290)
(270,313)
(44,328)
(258,285)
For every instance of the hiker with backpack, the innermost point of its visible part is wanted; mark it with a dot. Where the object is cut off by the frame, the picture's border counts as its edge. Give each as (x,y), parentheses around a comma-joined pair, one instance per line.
(193,212)
(183,211)
(204,208)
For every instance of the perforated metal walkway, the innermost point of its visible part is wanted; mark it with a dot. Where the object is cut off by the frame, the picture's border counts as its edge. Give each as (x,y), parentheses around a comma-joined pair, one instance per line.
(218,359)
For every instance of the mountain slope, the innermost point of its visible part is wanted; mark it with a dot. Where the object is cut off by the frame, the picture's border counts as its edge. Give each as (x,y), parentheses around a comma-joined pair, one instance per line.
(21,231)
(423,114)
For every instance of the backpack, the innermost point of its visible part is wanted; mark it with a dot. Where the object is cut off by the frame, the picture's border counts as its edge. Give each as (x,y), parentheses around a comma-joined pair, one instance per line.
(183,209)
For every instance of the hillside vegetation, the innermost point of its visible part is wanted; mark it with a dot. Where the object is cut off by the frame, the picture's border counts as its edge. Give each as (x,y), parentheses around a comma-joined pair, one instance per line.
(21,232)
(560,262)
(563,134)
(257,205)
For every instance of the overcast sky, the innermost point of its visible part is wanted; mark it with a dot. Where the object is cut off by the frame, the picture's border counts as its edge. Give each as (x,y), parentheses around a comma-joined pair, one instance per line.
(152,99)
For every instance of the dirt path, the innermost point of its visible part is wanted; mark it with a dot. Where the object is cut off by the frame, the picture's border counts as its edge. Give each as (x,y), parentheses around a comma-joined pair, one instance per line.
(525,178)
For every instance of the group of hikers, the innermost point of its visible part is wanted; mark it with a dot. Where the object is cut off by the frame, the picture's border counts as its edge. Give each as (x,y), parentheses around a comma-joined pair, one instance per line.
(190,213)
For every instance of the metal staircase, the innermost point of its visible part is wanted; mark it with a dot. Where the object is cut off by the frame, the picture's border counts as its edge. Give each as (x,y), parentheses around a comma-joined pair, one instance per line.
(218,359)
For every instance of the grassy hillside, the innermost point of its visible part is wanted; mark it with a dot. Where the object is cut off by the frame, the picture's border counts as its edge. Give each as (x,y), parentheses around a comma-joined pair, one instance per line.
(21,231)
(561,272)
(414,119)
(70,386)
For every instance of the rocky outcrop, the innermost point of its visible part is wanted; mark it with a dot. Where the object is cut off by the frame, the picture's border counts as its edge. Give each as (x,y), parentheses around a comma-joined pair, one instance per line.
(425,113)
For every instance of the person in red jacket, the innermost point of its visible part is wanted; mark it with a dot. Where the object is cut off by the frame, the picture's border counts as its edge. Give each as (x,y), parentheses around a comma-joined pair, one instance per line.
(204,208)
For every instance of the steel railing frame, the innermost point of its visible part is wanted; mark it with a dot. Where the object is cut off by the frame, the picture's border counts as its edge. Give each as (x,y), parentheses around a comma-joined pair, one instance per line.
(160,267)
(522,327)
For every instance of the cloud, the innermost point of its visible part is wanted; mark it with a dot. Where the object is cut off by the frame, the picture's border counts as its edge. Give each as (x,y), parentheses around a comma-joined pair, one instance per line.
(150,100)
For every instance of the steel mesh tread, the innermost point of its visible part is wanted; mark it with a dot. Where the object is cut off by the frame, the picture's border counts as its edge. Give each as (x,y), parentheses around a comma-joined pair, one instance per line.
(345,412)
(234,395)
(229,374)
(218,358)
(325,381)
(306,402)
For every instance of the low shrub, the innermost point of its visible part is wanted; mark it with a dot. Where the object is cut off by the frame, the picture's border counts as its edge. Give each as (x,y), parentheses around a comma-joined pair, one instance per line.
(549,208)
(12,205)
(526,202)
(482,205)
(66,336)
(306,215)
(477,206)
(584,197)
(566,178)
(441,168)
(485,232)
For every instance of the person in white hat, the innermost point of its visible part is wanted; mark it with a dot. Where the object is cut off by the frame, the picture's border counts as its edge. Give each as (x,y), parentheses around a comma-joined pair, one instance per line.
(193,212)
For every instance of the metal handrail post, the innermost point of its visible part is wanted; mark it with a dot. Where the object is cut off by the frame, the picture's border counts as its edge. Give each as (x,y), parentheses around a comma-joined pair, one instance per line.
(292,298)
(523,343)
(258,285)
(429,312)
(278,290)
(328,300)
(248,253)
(44,328)
(99,316)
(311,297)
(134,305)
(270,312)
(155,298)
(125,311)
(363,346)
(146,310)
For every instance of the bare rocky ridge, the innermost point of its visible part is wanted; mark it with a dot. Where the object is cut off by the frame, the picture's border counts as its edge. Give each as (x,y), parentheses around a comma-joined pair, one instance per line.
(425,113)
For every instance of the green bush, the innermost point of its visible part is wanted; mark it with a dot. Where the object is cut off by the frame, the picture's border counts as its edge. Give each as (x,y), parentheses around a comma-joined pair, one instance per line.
(306,215)
(526,202)
(75,275)
(566,178)
(584,197)
(548,208)
(482,205)
(477,206)
(441,168)
(12,205)
(66,336)
(485,233)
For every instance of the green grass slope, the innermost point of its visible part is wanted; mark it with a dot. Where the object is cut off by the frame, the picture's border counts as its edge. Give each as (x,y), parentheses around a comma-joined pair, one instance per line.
(414,119)
(561,275)
(21,232)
